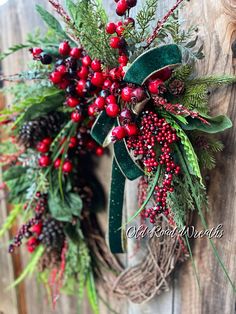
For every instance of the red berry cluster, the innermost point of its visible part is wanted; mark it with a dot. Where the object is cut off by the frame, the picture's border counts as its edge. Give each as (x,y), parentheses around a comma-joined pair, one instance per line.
(154,131)
(39,54)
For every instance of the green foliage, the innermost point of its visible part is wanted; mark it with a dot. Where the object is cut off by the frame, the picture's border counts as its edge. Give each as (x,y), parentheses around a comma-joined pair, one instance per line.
(64,209)
(14,173)
(51,21)
(182,72)
(92,293)
(90,21)
(11,218)
(31,267)
(206,148)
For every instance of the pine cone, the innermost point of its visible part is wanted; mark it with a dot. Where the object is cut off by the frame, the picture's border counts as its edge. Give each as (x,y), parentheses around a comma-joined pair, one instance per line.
(47,126)
(177,87)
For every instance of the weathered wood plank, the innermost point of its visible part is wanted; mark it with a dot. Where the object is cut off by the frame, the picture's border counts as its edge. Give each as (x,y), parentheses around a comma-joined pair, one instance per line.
(216,21)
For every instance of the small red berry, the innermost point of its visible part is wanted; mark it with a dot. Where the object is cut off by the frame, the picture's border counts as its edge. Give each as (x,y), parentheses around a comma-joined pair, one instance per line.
(76,52)
(131,3)
(111,28)
(37,228)
(99,151)
(118,133)
(121,8)
(129,20)
(139,94)
(154,87)
(57,163)
(42,147)
(92,109)
(47,141)
(126,94)
(112,110)
(73,142)
(56,77)
(80,87)
(76,116)
(131,129)
(100,102)
(83,72)
(111,99)
(120,30)
(115,42)
(123,60)
(36,51)
(96,65)
(44,161)
(62,69)
(64,48)
(97,79)
(64,84)
(86,61)
(72,102)
(107,84)
(67,166)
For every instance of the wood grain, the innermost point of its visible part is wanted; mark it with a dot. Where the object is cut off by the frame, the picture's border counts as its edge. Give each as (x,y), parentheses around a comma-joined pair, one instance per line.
(216,23)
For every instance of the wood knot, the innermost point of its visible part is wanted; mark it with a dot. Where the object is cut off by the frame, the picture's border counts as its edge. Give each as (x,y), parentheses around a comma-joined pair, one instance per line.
(233,47)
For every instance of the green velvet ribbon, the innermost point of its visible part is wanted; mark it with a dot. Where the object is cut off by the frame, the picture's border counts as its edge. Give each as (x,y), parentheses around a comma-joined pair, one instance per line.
(124,166)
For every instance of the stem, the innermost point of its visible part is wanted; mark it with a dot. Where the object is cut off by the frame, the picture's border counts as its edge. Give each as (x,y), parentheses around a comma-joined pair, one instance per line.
(161,23)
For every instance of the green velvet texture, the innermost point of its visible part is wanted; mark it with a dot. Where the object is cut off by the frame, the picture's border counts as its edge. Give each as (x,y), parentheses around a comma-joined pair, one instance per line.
(152,61)
(125,162)
(101,128)
(115,210)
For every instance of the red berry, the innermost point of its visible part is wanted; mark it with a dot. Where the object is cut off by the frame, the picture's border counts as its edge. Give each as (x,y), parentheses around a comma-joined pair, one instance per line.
(139,94)
(86,61)
(76,53)
(64,48)
(36,51)
(115,42)
(72,102)
(92,110)
(42,147)
(96,65)
(125,116)
(56,77)
(62,69)
(131,129)
(118,133)
(123,59)
(107,84)
(44,161)
(131,3)
(47,141)
(64,84)
(126,94)
(67,166)
(37,228)
(129,20)
(99,151)
(111,99)
(73,142)
(57,163)
(154,86)
(119,30)
(111,28)
(112,110)
(97,79)
(100,102)
(121,7)
(83,72)
(76,116)
(80,87)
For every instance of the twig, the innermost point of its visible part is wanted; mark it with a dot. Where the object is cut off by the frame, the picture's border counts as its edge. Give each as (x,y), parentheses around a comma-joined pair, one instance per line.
(161,23)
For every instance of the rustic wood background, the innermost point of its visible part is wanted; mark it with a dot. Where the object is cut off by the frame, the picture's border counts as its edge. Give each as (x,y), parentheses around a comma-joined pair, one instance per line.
(216,20)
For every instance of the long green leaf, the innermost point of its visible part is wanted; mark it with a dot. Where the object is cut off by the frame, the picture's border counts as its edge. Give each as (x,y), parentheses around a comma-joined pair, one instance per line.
(92,293)
(11,218)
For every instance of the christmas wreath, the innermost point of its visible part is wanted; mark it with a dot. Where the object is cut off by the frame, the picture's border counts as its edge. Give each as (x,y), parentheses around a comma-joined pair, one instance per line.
(92,83)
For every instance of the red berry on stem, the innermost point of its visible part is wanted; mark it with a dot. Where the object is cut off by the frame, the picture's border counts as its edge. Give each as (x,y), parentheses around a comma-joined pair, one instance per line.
(107,84)
(56,77)
(47,141)
(123,59)
(67,167)
(97,79)
(99,151)
(131,129)
(80,87)
(111,99)
(119,30)
(96,65)
(112,110)
(100,102)
(125,116)
(131,3)
(115,42)
(129,20)
(36,51)
(44,161)
(118,133)
(37,228)
(73,142)
(57,163)
(72,102)
(76,116)
(64,48)
(139,94)
(126,94)
(86,61)
(62,69)
(76,53)
(92,109)
(42,147)
(111,28)
(121,8)
(156,86)
(83,72)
